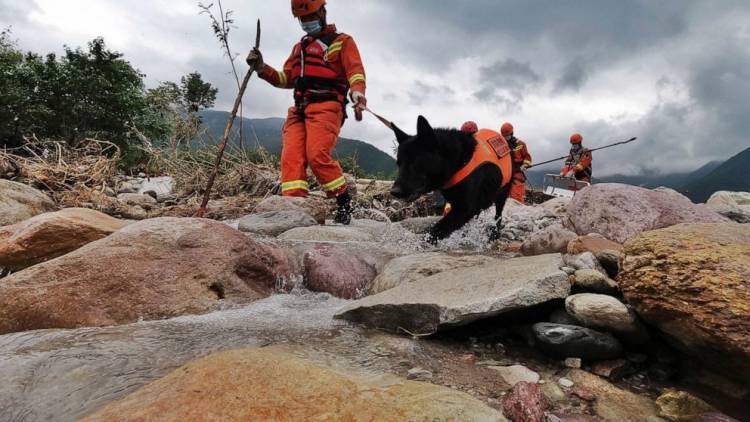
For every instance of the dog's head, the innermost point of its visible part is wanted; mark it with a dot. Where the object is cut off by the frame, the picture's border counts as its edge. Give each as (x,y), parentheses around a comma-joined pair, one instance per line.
(420,162)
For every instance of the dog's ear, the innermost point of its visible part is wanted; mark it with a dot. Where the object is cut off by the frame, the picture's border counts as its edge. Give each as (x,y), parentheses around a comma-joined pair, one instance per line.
(401,136)
(424,130)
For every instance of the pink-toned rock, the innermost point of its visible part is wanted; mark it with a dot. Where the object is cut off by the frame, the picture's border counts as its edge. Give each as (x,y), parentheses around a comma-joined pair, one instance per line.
(525,403)
(620,212)
(47,236)
(149,270)
(341,271)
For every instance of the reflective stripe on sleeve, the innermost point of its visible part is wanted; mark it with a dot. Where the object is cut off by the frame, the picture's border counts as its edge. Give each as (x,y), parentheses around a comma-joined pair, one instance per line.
(356,77)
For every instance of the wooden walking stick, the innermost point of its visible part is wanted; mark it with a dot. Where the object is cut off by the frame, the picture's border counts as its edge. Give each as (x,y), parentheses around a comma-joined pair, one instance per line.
(227,131)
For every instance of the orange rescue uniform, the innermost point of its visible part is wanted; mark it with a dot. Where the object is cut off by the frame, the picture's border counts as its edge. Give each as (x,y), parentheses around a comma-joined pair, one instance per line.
(321,69)
(521,157)
(579,162)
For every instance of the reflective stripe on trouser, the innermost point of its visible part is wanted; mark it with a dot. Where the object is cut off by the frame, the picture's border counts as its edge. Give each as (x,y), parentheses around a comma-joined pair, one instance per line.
(518,191)
(310,141)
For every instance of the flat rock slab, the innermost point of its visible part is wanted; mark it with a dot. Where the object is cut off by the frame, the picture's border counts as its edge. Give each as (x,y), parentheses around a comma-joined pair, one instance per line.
(274,223)
(463,295)
(271,384)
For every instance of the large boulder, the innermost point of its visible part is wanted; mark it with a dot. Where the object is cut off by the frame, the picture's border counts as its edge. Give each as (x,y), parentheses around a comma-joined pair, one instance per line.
(149,270)
(272,384)
(463,295)
(593,281)
(50,235)
(620,212)
(551,239)
(407,269)
(19,202)
(558,206)
(613,403)
(316,207)
(572,341)
(274,223)
(693,282)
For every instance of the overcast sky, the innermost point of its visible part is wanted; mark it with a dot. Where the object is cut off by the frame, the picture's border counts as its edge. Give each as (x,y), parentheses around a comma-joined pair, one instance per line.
(675,73)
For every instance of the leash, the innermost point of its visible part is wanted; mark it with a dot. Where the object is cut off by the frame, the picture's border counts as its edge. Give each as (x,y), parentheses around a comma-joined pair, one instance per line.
(382,119)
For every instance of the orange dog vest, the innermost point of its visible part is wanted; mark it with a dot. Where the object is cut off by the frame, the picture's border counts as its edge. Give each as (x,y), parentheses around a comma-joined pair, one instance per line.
(491,148)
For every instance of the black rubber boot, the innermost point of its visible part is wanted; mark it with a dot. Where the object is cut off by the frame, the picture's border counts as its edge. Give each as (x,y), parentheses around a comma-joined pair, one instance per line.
(344,210)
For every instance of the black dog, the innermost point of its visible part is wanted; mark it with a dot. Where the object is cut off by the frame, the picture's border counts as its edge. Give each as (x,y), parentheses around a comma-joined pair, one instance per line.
(427,161)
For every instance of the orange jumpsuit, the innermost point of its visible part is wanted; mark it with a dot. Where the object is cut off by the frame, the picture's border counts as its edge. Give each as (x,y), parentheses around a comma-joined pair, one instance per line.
(321,69)
(579,162)
(521,157)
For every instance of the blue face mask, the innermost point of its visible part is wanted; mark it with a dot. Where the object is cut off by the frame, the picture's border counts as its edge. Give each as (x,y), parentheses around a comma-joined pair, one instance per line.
(312,27)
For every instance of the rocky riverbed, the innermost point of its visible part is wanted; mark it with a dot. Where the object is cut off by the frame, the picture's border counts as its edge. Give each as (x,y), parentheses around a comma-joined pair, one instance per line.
(583,311)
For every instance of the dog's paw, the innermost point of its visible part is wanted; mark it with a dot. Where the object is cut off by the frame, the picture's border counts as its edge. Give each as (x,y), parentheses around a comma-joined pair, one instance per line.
(493,233)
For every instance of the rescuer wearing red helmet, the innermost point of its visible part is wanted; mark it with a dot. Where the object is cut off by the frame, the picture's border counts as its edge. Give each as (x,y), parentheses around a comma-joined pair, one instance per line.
(578,163)
(521,161)
(322,69)
(470,127)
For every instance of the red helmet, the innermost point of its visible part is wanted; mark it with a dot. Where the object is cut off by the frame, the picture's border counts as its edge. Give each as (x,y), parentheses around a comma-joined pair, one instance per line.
(506,129)
(470,127)
(576,138)
(306,7)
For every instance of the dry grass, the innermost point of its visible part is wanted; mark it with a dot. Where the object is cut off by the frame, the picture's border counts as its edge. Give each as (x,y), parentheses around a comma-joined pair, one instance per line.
(80,176)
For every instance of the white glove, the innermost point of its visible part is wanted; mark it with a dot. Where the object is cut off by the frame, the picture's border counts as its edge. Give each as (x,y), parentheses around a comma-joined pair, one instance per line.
(360,103)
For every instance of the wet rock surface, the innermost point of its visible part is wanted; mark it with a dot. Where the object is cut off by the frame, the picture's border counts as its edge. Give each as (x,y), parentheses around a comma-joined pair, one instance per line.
(410,268)
(552,239)
(153,269)
(327,234)
(463,295)
(261,384)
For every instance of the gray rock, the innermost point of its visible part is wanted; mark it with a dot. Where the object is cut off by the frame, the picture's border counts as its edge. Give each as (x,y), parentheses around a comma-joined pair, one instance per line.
(558,206)
(737,213)
(584,261)
(407,269)
(573,341)
(551,239)
(327,234)
(565,382)
(729,198)
(514,374)
(594,281)
(161,186)
(463,295)
(19,202)
(313,206)
(137,200)
(569,270)
(273,223)
(419,374)
(419,225)
(605,313)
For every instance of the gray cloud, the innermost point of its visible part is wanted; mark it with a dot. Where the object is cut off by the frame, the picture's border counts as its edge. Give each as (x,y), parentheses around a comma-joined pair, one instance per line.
(675,73)
(573,76)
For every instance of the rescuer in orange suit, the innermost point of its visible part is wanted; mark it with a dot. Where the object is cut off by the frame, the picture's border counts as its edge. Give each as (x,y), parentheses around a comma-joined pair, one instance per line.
(322,69)
(579,161)
(521,161)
